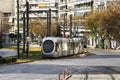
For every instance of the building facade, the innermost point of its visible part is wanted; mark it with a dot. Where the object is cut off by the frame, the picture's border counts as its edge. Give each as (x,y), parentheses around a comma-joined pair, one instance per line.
(7,14)
(60,8)
(78,10)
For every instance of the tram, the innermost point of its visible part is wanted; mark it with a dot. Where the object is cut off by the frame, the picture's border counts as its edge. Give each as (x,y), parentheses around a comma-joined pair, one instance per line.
(54,47)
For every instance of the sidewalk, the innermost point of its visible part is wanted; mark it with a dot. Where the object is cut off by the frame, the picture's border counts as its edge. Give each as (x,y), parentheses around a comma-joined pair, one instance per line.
(7,52)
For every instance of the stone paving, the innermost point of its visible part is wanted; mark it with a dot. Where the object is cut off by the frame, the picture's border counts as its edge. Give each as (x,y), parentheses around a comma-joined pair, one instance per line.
(95,77)
(95,65)
(27,77)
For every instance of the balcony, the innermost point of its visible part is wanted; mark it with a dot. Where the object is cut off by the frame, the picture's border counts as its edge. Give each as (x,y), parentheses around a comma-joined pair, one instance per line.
(41,15)
(82,9)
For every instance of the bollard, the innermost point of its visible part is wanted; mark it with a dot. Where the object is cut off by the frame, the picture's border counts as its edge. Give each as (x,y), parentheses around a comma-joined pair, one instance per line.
(67,73)
(58,76)
(63,75)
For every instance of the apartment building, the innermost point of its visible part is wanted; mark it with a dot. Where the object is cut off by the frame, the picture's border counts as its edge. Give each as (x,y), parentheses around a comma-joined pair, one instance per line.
(7,14)
(58,8)
(76,8)
(39,9)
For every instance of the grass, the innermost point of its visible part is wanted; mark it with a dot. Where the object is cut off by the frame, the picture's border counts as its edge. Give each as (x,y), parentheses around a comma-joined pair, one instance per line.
(9,47)
(34,53)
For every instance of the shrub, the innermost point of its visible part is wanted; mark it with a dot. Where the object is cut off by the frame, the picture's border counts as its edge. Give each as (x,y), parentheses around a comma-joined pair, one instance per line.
(8,59)
(13,59)
(1,60)
(0,56)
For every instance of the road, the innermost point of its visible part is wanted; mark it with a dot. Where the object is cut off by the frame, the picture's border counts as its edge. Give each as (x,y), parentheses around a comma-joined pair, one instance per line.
(103,63)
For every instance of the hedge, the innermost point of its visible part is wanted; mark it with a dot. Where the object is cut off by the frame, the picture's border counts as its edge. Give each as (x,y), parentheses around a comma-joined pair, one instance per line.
(7,59)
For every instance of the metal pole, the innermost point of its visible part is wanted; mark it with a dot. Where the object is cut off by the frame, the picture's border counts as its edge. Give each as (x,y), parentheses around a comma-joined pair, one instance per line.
(65,17)
(70,26)
(0,31)
(64,25)
(18,45)
(27,25)
(49,22)
(77,31)
(57,21)
(24,40)
(58,29)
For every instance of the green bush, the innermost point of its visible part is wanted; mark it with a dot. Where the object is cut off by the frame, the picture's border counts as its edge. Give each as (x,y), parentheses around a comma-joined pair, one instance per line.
(0,56)
(13,59)
(1,60)
(102,45)
(8,59)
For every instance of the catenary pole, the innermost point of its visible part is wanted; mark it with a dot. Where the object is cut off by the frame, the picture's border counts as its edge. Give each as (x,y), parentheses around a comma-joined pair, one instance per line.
(24,40)
(18,34)
(27,25)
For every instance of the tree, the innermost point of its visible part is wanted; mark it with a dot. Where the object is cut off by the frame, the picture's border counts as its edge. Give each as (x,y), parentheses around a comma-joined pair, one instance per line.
(113,21)
(39,27)
(106,23)
(91,23)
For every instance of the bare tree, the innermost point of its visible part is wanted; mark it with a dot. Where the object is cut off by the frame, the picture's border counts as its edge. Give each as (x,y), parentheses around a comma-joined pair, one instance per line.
(39,27)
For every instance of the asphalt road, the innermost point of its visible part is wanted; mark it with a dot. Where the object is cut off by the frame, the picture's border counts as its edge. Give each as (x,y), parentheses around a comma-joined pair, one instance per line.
(103,63)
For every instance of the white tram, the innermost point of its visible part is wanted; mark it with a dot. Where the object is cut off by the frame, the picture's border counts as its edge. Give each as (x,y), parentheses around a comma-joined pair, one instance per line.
(54,47)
